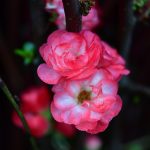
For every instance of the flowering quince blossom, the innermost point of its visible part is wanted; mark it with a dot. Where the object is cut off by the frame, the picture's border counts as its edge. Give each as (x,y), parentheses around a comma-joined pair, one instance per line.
(34,102)
(93,142)
(88,22)
(112,62)
(35,99)
(38,125)
(69,55)
(89,103)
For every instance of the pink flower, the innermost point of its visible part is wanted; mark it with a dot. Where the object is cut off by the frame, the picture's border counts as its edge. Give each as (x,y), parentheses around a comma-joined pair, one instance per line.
(88,22)
(69,55)
(65,129)
(89,104)
(34,104)
(38,125)
(112,62)
(91,20)
(93,143)
(35,99)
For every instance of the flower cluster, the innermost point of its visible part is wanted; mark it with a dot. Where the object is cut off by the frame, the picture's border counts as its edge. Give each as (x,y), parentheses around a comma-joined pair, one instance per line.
(34,104)
(88,22)
(85,72)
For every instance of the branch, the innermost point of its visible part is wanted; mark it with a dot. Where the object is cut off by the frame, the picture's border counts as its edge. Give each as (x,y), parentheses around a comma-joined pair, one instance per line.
(73,15)
(127,23)
(20,114)
(135,87)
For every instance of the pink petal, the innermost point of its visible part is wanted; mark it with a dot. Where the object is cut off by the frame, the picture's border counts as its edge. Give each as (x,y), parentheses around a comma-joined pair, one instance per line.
(73,87)
(97,77)
(94,116)
(56,113)
(103,103)
(47,74)
(113,111)
(109,87)
(66,117)
(63,101)
(101,126)
(79,114)
(85,126)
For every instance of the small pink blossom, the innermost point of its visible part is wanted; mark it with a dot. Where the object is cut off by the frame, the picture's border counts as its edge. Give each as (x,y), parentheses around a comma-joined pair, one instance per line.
(69,55)
(88,22)
(89,104)
(34,103)
(35,99)
(38,125)
(93,142)
(112,62)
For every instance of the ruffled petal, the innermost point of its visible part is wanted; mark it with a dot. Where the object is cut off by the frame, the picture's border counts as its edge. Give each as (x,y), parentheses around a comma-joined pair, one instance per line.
(79,114)
(109,87)
(56,112)
(63,101)
(85,126)
(47,74)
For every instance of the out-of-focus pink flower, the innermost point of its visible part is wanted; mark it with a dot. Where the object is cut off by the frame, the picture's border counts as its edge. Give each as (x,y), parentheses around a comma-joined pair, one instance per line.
(88,22)
(69,55)
(65,129)
(34,102)
(91,20)
(89,104)
(112,62)
(93,142)
(35,99)
(38,125)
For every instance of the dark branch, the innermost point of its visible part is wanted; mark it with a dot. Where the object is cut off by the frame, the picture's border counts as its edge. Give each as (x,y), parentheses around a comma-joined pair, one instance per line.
(127,23)
(73,15)
(12,101)
(135,87)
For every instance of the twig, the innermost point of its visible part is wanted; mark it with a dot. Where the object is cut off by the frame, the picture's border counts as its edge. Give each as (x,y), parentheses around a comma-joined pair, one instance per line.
(127,23)
(135,87)
(73,15)
(20,114)
(126,27)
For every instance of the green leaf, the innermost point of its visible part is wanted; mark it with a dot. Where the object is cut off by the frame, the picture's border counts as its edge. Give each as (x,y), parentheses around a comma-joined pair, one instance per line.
(27,53)
(137,4)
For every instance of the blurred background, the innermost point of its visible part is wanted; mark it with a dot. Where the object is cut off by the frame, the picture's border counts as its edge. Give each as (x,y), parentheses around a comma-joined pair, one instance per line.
(23,21)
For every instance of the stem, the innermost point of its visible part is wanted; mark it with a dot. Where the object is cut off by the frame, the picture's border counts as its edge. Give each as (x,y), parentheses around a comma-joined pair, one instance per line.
(20,114)
(73,15)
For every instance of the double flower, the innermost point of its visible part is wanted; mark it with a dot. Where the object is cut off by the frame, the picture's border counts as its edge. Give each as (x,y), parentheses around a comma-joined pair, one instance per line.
(85,72)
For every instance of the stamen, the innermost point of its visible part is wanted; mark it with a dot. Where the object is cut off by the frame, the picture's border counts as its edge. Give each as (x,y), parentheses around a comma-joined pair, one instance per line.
(84,95)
